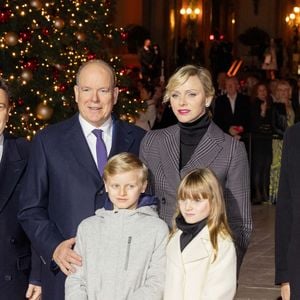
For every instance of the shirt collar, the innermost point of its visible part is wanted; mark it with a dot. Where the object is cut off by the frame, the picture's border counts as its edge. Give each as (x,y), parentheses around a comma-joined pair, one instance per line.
(1,139)
(88,128)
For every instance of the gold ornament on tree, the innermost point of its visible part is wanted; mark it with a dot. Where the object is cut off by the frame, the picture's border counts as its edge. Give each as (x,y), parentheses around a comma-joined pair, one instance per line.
(72,22)
(26,75)
(11,38)
(36,4)
(81,36)
(59,23)
(44,112)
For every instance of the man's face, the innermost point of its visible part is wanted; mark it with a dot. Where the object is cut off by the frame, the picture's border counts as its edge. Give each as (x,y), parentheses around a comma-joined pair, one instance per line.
(231,86)
(4,110)
(95,94)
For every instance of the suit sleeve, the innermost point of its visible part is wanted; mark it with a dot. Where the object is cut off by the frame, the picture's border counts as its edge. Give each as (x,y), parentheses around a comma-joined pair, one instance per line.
(35,271)
(284,219)
(75,285)
(237,197)
(33,206)
(155,278)
(221,276)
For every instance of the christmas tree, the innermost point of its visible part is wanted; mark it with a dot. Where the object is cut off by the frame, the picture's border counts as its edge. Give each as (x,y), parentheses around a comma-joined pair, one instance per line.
(42,44)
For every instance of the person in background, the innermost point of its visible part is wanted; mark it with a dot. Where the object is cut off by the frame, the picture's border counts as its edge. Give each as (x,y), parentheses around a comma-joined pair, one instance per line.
(261,143)
(231,110)
(287,221)
(283,116)
(196,141)
(146,57)
(270,60)
(63,182)
(123,245)
(19,263)
(201,257)
(147,118)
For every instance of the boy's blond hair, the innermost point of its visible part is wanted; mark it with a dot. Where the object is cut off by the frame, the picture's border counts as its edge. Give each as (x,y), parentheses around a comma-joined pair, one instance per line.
(122,163)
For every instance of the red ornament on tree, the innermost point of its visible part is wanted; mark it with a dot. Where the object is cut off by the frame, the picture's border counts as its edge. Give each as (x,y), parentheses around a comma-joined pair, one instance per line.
(91,56)
(31,64)
(124,36)
(25,36)
(45,31)
(62,87)
(20,101)
(4,15)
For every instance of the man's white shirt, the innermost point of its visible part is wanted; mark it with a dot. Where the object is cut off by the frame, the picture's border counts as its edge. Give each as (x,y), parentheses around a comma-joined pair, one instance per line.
(91,139)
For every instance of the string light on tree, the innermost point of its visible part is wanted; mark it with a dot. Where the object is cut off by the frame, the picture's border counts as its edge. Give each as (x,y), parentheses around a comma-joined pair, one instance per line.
(43,43)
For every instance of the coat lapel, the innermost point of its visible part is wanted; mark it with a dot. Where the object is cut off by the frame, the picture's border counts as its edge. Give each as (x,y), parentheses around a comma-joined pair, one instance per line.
(11,168)
(122,138)
(197,248)
(78,145)
(206,151)
(170,153)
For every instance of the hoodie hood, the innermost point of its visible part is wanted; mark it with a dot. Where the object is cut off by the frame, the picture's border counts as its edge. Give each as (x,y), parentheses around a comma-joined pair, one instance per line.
(144,200)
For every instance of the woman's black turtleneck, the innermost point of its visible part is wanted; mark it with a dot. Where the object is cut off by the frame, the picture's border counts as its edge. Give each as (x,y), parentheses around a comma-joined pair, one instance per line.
(189,231)
(190,136)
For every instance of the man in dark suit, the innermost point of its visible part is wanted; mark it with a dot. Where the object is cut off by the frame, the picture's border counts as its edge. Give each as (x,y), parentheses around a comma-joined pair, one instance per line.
(232,110)
(63,185)
(17,268)
(287,230)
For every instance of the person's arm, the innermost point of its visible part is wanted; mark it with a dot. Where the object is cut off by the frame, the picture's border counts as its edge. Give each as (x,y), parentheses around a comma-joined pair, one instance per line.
(33,215)
(221,274)
(284,220)
(237,197)
(75,285)
(155,278)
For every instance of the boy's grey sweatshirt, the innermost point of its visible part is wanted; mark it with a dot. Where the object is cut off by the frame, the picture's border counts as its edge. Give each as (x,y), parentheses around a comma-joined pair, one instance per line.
(123,256)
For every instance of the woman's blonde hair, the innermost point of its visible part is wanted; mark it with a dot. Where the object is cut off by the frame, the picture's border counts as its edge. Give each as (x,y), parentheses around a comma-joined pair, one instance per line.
(203,184)
(122,163)
(183,74)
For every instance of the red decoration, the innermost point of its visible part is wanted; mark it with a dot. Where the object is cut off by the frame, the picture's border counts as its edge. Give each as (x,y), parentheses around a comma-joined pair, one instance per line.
(4,15)
(30,64)
(62,87)
(20,101)
(45,31)
(25,36)
(91,56)
(124,36)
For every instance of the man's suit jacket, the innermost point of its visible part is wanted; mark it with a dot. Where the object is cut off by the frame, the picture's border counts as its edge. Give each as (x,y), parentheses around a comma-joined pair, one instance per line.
(15,250)
(224,117)
(191,274)
(62,187)
(160,150)
(287,230)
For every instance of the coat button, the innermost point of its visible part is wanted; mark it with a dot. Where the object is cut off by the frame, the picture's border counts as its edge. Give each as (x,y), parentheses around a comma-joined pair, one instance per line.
(7,277)
(12,240)
(163,200)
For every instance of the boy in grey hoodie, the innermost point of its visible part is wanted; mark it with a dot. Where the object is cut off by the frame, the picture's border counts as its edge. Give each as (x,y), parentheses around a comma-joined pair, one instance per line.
(123,245)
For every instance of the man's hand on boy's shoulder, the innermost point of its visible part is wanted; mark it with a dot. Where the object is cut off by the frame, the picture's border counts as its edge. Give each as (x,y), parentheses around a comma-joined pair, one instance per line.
(65,257)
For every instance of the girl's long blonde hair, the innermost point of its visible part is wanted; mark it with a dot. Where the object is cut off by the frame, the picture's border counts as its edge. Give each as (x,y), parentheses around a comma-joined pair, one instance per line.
(203,184)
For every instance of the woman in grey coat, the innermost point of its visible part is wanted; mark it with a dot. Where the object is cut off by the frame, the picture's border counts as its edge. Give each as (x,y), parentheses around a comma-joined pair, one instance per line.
(197,142)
